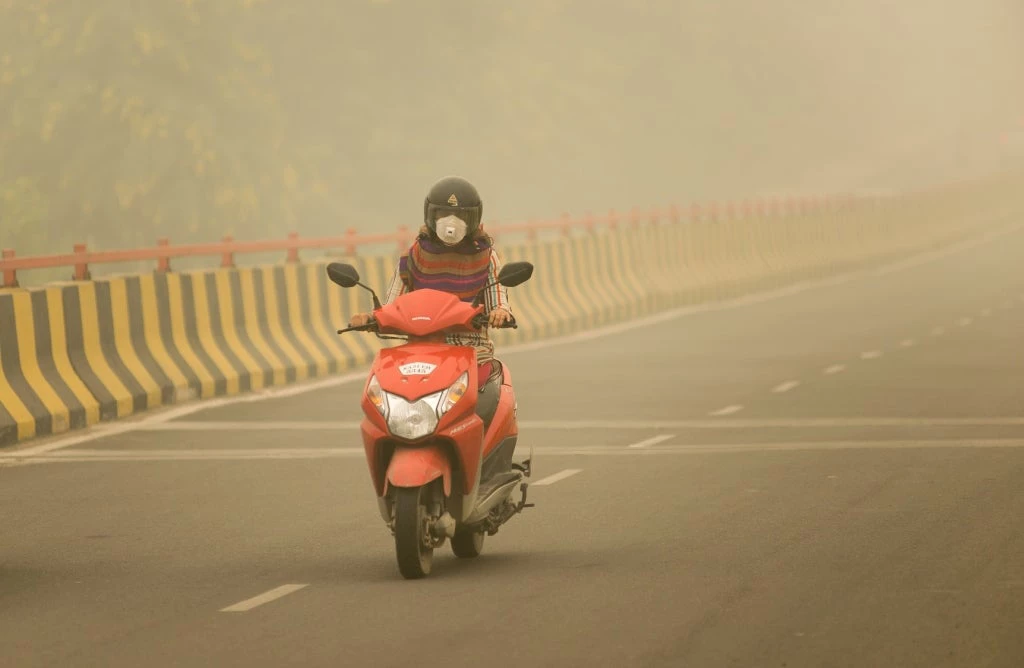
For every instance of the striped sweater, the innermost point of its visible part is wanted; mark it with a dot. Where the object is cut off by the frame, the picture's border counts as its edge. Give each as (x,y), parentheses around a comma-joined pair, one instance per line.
(461,271)
(465,286)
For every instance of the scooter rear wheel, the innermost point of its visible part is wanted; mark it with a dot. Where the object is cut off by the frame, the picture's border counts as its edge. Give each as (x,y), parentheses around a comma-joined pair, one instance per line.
(467,543)
(413,545)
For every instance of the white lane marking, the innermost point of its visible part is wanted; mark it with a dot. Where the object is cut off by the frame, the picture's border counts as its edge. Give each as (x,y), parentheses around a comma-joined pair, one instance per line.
(929,256)
(938,331)
(834,369)
(265,597)
(311,425)
(963,322)
(85,437)
(552,479)
(785,387)
(871,355)
(100,431)
(572,425)
(165,416)
(653,441)
(189,454)
(112,456)
(811,445)
(728,410)
(908,343)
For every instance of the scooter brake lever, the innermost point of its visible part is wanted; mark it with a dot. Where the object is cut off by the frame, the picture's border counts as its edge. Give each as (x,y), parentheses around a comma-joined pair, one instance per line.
(370,326)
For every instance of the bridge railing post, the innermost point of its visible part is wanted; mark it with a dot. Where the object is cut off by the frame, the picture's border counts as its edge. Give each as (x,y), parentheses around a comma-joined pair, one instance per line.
(227,258)
(10,276)
(163,262)
(81,263)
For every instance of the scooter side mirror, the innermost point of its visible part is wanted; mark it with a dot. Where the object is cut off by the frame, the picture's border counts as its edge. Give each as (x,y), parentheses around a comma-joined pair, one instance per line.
(511,275)
(344,275)
(515,273)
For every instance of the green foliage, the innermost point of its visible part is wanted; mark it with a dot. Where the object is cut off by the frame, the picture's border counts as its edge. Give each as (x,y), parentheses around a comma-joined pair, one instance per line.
(23,209)
(191,119)
(121,123)
(122,127)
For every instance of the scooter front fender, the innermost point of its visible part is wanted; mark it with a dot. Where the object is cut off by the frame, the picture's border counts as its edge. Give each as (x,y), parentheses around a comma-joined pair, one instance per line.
(414,467)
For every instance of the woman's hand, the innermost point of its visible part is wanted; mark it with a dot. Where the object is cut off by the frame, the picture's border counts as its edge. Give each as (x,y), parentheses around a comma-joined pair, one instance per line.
(498,317)
(359,319)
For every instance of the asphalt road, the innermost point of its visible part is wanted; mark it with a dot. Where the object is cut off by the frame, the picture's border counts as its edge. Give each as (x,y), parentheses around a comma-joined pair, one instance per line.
(833,477)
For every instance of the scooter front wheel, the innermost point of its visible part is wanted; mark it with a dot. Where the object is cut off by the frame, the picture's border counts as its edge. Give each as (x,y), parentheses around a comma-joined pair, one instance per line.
(413,543)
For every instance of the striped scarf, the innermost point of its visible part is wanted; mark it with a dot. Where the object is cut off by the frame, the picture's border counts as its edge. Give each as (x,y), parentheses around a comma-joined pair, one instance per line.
(462,271)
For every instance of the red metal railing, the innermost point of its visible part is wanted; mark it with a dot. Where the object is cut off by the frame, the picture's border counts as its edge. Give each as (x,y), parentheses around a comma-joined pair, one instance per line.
(81,257)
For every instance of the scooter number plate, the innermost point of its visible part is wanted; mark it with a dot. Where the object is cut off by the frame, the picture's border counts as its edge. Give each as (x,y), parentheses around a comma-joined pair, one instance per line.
(417,369)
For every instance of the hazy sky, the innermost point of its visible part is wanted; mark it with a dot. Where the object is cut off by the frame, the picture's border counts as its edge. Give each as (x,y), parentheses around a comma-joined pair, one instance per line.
(608,104)
(123,123)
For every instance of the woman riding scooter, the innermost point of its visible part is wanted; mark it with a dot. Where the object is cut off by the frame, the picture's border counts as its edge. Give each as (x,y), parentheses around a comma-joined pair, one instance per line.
(453,254)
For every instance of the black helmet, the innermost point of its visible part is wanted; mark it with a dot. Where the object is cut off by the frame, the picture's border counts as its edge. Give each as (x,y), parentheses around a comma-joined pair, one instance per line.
(453,196)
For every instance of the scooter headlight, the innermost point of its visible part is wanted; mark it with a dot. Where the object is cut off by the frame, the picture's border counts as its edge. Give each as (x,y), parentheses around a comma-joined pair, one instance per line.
(377,397)
(413,419)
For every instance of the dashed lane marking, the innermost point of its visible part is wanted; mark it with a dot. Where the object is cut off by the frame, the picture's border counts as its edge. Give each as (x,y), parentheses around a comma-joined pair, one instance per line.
(264,598)
(653,425)
(111,456)
(652,441)
(552,479)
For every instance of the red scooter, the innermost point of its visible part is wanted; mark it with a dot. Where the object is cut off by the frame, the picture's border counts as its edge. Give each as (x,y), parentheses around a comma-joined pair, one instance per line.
(439,431)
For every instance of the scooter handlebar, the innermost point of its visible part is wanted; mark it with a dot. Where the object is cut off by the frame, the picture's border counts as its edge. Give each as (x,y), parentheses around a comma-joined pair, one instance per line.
(368,327)
(480,321)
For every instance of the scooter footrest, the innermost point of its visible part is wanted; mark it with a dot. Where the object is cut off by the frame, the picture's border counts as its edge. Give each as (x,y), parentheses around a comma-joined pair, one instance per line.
(497,481)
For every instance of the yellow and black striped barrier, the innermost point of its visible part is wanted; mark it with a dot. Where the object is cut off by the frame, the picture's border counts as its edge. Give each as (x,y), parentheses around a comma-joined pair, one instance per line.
(75,354)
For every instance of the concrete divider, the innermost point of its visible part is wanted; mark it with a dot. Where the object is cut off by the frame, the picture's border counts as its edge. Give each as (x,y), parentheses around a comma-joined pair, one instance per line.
(75,354)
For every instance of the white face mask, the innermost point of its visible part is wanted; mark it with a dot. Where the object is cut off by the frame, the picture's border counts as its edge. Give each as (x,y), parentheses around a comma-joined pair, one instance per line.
(451,230)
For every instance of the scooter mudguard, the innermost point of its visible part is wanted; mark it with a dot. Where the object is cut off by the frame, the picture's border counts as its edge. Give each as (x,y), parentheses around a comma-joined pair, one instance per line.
(414,467)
